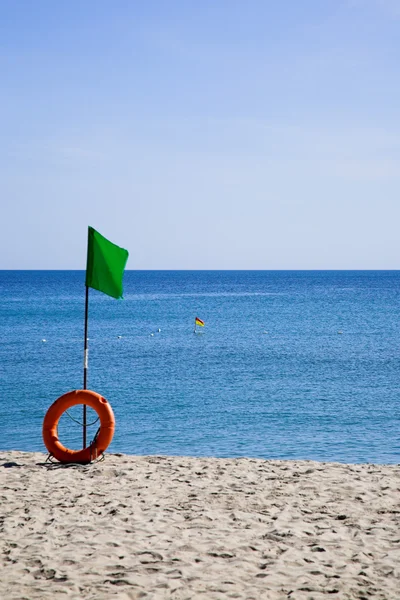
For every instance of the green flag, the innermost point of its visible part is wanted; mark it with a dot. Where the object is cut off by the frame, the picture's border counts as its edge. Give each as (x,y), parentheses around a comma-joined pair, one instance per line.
(105,265)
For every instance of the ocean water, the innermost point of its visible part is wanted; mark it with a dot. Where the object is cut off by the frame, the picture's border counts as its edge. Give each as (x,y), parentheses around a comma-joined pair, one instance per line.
(269,375)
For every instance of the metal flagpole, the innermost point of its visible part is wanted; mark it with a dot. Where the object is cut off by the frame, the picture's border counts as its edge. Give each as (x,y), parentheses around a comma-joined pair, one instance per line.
(85,362)
(194,330)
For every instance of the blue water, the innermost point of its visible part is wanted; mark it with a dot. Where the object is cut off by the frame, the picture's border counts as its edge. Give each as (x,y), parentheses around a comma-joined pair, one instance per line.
(269,376)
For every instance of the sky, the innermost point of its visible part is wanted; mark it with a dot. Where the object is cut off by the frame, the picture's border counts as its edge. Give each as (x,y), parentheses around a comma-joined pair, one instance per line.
(219,134)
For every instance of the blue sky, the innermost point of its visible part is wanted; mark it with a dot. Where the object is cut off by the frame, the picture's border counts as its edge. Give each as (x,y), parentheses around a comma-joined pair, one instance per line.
(201,135)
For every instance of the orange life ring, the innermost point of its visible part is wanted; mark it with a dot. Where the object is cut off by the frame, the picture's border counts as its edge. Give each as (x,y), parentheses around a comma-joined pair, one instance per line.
(99,444)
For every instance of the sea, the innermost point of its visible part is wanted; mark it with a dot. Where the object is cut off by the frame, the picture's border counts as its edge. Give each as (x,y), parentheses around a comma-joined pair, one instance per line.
(289,364)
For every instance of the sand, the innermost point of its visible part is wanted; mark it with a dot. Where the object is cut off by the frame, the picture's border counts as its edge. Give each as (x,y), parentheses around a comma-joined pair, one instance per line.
(171,527)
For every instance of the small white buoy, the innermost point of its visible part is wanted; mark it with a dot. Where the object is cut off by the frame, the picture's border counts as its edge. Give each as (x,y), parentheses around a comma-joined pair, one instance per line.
(265,331)
(43,340)
(340,331)
(159,330)
(119,336)
(152,335)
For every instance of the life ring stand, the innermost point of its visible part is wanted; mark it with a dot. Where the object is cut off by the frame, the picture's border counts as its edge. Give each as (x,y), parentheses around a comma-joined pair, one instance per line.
(101,441)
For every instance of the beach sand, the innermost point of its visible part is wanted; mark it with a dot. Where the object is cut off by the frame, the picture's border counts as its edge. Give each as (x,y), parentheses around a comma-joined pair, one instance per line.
(175,527)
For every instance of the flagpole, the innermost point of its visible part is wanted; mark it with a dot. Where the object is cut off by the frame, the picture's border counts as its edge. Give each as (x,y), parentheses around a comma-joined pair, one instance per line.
(105,266)
(194,330)
(85,362)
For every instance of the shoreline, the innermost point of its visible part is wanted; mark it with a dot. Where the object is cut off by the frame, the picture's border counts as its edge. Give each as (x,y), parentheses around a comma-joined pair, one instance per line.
(179,527)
